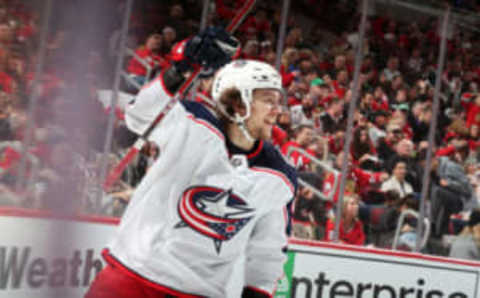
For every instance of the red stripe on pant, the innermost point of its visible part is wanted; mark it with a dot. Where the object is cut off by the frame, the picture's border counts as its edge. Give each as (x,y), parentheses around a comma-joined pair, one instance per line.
(117,281)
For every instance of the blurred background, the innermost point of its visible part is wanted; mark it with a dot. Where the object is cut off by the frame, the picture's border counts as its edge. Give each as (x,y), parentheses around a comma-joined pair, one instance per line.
(63,63)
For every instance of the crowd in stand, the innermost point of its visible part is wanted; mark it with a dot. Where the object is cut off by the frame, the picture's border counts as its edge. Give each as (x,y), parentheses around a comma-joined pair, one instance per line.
(391,123)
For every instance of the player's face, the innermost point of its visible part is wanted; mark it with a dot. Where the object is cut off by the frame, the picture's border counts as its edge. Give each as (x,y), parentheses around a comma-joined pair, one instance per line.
(264,111)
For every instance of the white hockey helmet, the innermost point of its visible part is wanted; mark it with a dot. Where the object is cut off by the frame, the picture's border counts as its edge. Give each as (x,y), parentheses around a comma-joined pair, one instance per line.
(246,76)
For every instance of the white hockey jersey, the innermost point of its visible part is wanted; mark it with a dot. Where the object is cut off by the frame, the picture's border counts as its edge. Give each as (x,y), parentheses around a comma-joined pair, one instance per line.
(195,215)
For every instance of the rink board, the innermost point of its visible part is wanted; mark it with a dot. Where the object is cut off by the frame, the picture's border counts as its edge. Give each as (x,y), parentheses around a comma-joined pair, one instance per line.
(31,267)
(318,269)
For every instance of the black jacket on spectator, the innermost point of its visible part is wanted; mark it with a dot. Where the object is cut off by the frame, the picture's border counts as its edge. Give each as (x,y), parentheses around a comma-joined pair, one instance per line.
(329,125)
(384,150)
(314,206)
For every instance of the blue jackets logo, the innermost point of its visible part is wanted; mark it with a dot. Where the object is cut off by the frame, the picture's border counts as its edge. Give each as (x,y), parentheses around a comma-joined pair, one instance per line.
(213,212)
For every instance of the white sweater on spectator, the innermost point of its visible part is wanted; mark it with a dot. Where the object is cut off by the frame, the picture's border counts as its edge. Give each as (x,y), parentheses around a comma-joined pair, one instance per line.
(404,188)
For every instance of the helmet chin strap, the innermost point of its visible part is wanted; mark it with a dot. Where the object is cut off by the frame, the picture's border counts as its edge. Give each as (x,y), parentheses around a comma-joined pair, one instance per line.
(245,132)
(240,122)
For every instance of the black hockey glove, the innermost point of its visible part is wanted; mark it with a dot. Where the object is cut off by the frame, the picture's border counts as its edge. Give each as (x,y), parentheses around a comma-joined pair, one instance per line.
(211,49)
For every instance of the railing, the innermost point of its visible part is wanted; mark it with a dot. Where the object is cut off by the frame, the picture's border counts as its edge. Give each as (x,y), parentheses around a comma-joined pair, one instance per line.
(401,221)
(30,184)
(127,77)
(321,164)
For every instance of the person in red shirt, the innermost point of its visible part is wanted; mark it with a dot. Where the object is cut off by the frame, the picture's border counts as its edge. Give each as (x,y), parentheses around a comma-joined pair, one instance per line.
(250,50)
(6,34)
(380,100)
(474,137)
(7,84)
(226,10)
(361,178)
(279,136)
(473,112)
(303,138)
(150,53)
(256,25)
(339,64)
(351,228)
(289,59)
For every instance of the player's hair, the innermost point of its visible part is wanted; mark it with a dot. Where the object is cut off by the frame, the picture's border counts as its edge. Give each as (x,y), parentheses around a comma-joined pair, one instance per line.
(229,99)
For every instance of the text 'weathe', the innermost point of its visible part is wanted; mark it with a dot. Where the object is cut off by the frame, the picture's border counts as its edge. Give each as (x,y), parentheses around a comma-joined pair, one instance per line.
(20,269)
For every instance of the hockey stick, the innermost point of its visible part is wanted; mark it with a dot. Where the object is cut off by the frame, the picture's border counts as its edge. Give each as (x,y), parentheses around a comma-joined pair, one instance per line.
(140,142)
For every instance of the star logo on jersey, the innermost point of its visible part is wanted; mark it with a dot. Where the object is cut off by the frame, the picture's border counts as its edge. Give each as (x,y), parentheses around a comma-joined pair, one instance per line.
(213,212)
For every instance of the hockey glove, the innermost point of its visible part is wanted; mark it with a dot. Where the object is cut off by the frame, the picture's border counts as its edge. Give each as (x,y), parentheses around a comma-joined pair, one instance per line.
(211,49)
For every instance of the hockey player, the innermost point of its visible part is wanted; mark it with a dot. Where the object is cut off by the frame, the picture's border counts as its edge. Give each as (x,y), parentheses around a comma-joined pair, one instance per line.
(209,218)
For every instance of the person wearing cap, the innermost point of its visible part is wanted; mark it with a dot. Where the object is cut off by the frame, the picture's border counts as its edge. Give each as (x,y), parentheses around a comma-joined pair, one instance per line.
(467,244)
(320,90)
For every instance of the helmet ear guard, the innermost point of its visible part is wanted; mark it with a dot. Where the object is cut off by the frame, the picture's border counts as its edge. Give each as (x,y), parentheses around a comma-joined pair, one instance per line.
(225,106)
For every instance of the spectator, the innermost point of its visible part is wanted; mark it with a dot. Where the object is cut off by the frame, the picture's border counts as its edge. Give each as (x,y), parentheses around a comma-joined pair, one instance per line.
(303,138)
(339,64)
(333,119)
(358,180)
(6,35)
(284,120)
(5,111)
(340,84)
(391,71)
(256,26)
(377,126)
(319,90)
(250,50)
(415,63)
(397,180)
(309,216)
(169,35)
(303,113)
(351,228)
(177,24)
(362,148)
(451,191)
(467,244)
(386,145)
(420,120)
(473,172)
(7,83)
(288,65)
(150,54)
(473,112)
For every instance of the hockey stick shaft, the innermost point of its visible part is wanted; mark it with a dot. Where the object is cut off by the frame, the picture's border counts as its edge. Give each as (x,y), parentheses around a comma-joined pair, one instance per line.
(137,146)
